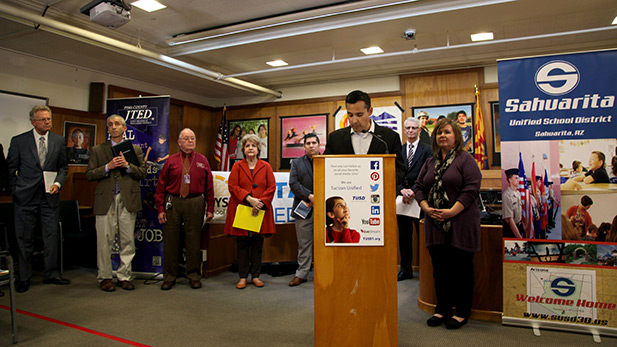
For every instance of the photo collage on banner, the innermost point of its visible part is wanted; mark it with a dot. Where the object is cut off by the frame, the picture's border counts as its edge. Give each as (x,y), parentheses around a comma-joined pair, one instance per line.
(559,190)
(147,122)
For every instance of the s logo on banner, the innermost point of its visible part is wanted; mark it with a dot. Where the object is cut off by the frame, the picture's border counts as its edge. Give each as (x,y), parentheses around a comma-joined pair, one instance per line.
(557,77)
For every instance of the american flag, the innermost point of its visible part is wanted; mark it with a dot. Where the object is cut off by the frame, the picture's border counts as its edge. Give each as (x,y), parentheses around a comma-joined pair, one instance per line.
(544,191)
(523,189)
(222,144)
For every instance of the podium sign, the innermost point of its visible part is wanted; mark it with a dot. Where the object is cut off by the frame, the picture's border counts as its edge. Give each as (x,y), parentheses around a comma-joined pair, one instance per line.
(358,182)
(355,287)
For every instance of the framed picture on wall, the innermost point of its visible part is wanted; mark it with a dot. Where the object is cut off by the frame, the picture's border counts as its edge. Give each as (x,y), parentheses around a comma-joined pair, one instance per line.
(460,113)
(79,139)
(496,132)
(240,127)
(293,130)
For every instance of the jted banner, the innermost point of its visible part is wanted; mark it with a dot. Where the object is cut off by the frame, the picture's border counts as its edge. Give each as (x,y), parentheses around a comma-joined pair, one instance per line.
(282,203)
(559,183)
(147,121)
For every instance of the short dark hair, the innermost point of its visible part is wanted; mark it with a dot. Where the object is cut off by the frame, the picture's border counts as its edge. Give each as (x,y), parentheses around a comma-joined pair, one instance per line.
(586,201)
(575,165)
(309,135)
(358,95)
(601,156)
(461,111)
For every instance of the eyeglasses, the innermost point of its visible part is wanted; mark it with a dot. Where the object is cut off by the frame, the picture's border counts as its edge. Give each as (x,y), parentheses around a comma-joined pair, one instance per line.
(43,120)
(412,128)
(188,138)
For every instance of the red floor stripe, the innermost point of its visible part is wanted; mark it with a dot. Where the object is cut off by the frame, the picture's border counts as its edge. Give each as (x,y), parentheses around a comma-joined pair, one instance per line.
(90,331)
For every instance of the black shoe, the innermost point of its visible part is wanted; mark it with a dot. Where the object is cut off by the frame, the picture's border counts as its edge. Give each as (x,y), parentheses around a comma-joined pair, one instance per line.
(57,280)
(22,286)
(454,324)
(404,275)
(435,321)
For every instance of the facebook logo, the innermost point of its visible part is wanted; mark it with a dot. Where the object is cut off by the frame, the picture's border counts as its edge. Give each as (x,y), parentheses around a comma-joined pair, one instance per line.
(374,165)
(375,210)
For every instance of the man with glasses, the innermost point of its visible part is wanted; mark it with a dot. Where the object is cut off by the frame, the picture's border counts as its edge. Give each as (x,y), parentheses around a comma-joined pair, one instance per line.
(34,156)
(117,200)
(415,153)
(183,193)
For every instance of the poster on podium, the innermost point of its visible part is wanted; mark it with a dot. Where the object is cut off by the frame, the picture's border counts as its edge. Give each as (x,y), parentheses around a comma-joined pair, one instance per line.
(354,201)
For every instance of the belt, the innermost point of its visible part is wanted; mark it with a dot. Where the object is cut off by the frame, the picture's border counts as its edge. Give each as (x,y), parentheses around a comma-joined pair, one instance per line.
(190,196)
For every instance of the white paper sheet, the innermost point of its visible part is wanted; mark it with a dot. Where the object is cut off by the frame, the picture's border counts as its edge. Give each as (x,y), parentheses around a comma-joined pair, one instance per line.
(411,210)
(50,178)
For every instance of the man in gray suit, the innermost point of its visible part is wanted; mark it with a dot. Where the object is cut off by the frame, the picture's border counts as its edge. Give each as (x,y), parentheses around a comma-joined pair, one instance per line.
(30,155)
(116,203)
(301,184)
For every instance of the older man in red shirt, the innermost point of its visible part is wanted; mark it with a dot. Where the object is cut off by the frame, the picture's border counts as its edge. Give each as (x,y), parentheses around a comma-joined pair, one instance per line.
(184,191)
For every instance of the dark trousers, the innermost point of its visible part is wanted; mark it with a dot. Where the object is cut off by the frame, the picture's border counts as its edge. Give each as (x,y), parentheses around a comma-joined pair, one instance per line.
(26,217)
(249,251)
(406,227)
(190,212)
(454,279)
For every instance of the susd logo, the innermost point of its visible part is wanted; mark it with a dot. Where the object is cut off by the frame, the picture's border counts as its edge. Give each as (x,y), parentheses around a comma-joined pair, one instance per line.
(557,77)
(563,286)
(374,221)
(358,198)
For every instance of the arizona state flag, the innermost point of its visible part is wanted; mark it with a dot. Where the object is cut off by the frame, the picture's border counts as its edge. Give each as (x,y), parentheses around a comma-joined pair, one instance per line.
(480,137)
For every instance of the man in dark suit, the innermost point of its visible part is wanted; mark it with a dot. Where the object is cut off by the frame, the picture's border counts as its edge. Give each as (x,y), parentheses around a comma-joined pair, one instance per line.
(301,184)
(117,200)
(363,136)
(415,153)
(30,155)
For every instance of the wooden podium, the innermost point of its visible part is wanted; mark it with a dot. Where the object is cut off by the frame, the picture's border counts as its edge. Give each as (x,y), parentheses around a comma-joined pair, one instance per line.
(355,286)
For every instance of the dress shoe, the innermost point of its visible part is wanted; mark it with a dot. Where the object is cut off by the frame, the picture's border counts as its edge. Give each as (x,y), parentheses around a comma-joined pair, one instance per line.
(455,324)
(107,285)
(241,284)
(296,281)
(167,285)
(57,280)
(435,321)
(404,275)
(126,285)
(22,286)
(257,282)
(195,284)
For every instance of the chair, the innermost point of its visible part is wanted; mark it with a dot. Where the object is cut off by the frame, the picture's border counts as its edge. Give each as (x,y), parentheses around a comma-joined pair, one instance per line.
(4,254)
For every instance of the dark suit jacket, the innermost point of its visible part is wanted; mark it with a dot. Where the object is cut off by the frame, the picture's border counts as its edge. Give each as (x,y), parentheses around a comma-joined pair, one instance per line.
(128,183)
(301,181)
(339,142)
(420,155)
(25,171)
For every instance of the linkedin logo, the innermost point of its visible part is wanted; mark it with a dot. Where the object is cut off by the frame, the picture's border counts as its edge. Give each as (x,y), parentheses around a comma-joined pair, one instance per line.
(557,77)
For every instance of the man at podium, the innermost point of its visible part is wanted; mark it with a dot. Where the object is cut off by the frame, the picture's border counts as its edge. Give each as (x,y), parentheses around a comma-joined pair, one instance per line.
(363,135)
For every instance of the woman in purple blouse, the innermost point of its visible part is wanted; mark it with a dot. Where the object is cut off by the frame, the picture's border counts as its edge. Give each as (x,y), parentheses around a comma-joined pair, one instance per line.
(447,190)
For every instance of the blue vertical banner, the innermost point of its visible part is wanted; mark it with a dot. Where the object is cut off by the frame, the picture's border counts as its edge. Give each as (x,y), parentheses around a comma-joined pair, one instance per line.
(559,133)
(147,121)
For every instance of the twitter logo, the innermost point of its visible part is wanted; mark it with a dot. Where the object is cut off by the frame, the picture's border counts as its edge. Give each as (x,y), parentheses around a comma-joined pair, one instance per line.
(374,187)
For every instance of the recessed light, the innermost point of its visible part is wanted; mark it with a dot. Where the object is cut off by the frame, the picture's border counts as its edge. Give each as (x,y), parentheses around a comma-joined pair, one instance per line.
(614,21)
(372,50)
(481,37)
(148,5)
(277,63)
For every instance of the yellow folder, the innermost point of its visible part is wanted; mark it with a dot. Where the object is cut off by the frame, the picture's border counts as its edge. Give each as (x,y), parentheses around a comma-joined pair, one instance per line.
(245,220)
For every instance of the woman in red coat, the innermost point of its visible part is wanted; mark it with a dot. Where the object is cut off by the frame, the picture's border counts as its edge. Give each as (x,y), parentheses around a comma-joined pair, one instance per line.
(251,182)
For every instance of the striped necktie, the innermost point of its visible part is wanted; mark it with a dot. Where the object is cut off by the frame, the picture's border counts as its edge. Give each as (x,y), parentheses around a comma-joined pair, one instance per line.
(409,156)
(42,150)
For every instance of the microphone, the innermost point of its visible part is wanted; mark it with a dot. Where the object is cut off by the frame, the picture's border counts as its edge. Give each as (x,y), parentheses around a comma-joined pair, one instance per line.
(378,137)
(254,185)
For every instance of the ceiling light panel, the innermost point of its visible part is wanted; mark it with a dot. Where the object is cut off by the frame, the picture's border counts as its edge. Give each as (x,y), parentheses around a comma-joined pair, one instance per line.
(481,37)
(148,5)
(372,50)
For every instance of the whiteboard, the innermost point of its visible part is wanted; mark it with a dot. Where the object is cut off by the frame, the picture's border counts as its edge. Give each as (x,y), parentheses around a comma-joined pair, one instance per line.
(14,110)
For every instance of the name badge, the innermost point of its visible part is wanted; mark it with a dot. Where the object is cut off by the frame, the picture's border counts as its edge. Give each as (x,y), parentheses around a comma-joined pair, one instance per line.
(187,179)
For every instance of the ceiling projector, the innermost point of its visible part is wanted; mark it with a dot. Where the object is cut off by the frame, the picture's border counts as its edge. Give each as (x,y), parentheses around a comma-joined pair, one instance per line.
(110,13)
